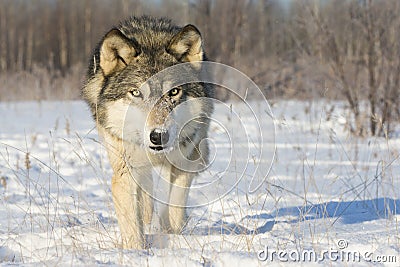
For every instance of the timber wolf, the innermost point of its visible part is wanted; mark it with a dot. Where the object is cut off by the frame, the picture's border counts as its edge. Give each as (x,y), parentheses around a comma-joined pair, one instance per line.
(139,125)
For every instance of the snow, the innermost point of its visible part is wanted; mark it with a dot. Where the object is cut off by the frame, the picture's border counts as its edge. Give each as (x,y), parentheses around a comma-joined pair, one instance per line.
(325,189)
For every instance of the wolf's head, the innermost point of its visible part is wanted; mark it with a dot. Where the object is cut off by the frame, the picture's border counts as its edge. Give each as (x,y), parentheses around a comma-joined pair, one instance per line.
(122,99)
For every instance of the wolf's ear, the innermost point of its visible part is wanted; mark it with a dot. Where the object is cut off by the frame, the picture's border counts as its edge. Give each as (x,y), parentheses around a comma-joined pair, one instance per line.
(186,45)
(116,51)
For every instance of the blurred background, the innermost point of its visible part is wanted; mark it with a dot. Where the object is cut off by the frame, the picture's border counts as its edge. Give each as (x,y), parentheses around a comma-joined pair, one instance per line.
(336,49)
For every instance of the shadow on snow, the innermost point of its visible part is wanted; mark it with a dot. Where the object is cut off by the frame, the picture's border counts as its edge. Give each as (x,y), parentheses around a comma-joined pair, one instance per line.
(346,212)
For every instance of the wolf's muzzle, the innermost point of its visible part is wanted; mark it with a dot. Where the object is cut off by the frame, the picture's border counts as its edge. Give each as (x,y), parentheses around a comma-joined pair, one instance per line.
(159,138)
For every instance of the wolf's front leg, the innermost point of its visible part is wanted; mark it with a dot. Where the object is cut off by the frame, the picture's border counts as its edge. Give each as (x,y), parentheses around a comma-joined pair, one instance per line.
(179,190)
(127,201)
(147,196)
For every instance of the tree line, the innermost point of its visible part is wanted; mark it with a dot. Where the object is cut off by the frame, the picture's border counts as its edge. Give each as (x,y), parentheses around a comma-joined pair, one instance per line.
(59,34)
(339,49)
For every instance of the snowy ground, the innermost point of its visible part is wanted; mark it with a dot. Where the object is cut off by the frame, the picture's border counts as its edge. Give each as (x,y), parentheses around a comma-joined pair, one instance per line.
(327,193)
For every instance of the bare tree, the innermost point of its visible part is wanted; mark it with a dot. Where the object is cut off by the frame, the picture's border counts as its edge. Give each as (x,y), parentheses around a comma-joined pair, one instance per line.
(355,51)
(3,39)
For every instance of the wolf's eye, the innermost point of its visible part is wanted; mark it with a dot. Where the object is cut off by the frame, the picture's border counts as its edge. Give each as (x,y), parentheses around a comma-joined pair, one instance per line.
(174,91)
(135,93)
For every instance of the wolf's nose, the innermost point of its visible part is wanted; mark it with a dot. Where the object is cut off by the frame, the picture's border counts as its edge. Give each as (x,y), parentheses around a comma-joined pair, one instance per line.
(159,137)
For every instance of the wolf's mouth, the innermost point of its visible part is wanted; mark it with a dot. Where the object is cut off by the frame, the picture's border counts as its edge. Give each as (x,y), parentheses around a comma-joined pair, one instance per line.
(157,148)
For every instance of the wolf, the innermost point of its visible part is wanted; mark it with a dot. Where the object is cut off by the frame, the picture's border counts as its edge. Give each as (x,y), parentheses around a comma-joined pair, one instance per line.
(139,125)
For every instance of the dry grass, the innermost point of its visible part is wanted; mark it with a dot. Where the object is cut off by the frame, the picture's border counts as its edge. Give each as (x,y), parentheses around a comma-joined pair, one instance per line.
(41,84)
